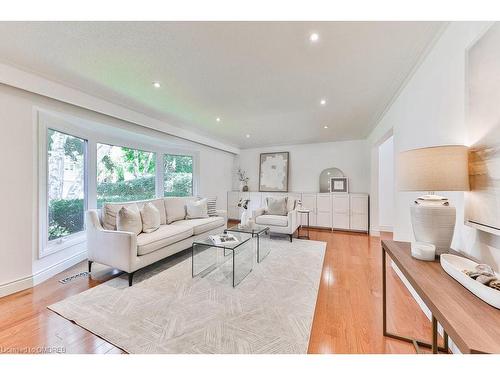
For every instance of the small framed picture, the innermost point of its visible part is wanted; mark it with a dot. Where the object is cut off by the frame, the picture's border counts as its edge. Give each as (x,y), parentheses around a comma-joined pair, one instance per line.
(339,185)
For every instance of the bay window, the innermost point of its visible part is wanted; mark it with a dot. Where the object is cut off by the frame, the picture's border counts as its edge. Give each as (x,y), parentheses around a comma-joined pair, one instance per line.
(81,167)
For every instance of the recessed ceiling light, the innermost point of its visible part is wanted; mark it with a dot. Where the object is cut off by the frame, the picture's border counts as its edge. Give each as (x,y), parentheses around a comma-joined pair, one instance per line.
(157,84)
(314,37)
(326,126)
(248,135)
(217,119)
(322,102)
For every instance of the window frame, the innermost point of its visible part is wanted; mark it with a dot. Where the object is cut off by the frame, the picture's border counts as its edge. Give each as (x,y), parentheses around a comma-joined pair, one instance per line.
(47,246)
(80,127)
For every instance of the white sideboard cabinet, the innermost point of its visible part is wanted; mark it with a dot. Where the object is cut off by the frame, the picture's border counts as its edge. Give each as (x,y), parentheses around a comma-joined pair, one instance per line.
(328,210)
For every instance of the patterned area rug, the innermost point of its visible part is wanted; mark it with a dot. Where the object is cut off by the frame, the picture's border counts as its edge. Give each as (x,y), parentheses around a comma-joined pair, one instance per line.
(168,311)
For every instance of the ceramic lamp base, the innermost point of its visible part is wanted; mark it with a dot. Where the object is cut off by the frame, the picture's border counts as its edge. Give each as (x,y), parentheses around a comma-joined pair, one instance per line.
(434,223)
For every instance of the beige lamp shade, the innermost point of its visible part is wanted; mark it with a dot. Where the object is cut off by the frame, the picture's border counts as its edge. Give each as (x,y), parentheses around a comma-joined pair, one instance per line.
(441,168)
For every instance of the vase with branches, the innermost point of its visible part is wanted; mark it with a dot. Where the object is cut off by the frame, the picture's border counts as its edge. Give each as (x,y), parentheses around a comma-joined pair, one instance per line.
(243,179)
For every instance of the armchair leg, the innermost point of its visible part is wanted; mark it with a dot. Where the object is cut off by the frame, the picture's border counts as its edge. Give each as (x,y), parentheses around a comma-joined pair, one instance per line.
(130,278)
(90,265)
(291,237)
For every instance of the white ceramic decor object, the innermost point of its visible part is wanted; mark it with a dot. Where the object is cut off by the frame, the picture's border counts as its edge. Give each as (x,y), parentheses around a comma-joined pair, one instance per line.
(454,265)
(423,251)
(433,223)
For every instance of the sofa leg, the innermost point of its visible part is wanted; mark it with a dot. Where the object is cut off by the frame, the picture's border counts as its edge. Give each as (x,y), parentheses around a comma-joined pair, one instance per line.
(130,278)
(291,237)
(90,265)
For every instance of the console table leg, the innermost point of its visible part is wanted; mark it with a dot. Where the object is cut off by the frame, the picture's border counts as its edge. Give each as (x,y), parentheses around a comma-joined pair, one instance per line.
(434,335)
(416,343)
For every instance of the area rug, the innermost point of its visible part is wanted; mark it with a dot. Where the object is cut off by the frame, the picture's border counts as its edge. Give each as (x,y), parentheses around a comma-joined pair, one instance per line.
(168,311)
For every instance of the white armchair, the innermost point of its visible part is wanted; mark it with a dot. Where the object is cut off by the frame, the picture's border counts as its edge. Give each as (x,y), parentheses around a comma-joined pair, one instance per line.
(278,223)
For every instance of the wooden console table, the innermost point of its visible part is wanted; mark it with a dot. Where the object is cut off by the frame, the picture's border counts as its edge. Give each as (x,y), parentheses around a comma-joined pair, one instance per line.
(472,324)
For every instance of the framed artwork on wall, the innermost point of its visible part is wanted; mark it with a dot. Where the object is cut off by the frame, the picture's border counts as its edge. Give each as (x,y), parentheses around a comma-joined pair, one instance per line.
(273,172)
(339,185)
(482,202)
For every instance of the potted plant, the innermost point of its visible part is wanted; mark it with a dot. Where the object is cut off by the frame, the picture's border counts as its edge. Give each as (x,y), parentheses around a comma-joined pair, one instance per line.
(242,177)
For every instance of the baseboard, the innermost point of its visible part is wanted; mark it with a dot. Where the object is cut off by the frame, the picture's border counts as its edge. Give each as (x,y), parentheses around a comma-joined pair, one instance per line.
(16,286)
(422,305)
(374,233)
(385,228)
(42,275)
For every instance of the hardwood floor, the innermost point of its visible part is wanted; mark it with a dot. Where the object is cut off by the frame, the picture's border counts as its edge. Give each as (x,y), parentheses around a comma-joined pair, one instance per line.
(347,319)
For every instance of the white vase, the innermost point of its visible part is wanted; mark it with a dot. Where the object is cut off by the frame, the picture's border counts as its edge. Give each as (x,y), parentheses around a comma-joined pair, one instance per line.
(244,218)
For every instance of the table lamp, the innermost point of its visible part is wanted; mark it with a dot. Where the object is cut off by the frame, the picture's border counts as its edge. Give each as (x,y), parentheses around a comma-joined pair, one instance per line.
(431,169)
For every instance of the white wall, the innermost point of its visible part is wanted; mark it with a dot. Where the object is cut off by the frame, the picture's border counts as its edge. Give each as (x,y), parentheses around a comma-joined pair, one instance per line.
(307,161)
(386,185)
(430,111)
(19,262)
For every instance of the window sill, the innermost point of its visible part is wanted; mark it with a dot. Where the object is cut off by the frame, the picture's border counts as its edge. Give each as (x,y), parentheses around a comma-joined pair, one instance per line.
(63,243)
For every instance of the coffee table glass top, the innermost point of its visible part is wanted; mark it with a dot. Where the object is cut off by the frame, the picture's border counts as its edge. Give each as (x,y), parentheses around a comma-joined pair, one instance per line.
(241,237)
(250,229)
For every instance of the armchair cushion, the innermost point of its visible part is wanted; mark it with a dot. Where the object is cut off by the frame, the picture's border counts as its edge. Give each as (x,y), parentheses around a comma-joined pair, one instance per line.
(275,220)
(164,236)
(276,206)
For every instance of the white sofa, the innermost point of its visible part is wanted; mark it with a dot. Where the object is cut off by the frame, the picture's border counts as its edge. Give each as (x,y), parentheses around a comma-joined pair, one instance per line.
(279,223)
(129,252)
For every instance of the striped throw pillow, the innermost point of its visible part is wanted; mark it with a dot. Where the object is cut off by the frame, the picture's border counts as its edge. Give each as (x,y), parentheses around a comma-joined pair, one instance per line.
(212,206)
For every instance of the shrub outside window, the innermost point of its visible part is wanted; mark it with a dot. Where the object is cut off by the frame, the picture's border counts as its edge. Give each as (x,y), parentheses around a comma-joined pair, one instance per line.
(65,184)
(124,174)
(178,175)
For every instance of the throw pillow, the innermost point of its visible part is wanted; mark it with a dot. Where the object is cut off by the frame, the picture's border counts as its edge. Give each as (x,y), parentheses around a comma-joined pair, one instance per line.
(109,213)
(150,218)
(197,210)
(277,206)
(129,220)
(212,206)
(176,208)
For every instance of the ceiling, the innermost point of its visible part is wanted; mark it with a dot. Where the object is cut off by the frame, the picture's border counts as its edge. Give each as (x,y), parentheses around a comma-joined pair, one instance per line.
(262,79)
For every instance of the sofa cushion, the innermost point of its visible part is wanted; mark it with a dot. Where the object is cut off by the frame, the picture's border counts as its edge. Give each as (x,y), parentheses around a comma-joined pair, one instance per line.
(150,217)
(197,209)
(276,220)
(175,208)
(202,225)
(109,213)
(164,236)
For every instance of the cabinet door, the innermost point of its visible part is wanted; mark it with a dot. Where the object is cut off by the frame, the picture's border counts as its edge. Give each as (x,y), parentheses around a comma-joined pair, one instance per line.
(308,203)
(340,211)
(232,205)
(324,210)
(359,213)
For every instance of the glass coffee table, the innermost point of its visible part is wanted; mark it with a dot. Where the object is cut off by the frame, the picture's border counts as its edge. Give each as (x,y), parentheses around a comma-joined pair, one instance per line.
(260,234)
(225,261)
